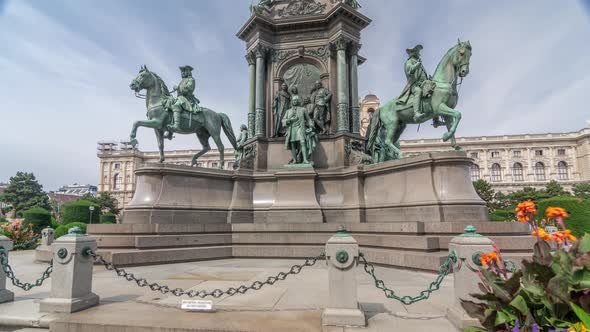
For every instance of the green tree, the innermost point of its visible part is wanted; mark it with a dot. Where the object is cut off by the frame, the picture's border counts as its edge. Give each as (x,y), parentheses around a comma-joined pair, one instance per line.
(105,201)
(24,192)
(527,193)
(554,189)
(486,192)
(582,190)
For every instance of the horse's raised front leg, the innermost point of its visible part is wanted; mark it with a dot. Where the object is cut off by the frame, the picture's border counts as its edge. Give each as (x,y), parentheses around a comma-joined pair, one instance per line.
(455,117)
(204,140)
(160,138)
(220,147)
(143,123)
(448,123)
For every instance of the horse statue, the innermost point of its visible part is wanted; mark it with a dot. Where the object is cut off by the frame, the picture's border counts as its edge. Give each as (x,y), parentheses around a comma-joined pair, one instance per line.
(158,100)
(438,98)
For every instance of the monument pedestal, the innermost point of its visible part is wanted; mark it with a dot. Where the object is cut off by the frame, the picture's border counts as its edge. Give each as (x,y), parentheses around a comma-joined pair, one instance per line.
(295,200)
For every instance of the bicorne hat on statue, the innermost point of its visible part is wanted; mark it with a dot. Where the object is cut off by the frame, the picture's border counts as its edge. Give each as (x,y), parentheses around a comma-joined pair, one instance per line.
(187,67)
(415,50)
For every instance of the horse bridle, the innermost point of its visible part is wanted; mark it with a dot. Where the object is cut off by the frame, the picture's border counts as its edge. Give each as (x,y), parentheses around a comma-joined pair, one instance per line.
(141,96)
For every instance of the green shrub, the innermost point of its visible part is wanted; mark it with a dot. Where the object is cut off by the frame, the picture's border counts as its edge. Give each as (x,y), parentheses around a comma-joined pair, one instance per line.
(54,223)
(38,217)
(577,208)
(79,211)
(501,215)
(108,218)
(63,229)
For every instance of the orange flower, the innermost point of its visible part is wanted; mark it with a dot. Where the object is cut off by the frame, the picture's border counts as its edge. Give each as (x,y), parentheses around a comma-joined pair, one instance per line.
(556,212)
(524,210)
(560,236)
(542,234)
(30,225)
(485,259)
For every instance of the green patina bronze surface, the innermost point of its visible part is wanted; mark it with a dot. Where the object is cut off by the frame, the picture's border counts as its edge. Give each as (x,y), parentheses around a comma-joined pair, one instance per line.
(181,115)
(342,256)
(301,137)
(470,231)
(239,151)
(423,98)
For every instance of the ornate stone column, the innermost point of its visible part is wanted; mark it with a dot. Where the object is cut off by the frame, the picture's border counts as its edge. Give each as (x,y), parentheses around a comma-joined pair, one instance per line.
(252,96)
(354,88)
(342,75)
(260,117)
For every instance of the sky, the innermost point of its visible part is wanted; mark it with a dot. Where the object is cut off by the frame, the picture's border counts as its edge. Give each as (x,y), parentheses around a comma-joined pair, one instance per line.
(66,65)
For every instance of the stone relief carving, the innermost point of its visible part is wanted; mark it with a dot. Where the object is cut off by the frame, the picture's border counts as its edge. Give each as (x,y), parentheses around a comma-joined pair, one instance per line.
(280,55)
(322,53)
(354,153)
(249,156)
(302,7)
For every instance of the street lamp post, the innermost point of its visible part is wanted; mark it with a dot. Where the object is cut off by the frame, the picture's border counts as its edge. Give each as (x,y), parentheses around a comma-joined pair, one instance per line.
(91,209)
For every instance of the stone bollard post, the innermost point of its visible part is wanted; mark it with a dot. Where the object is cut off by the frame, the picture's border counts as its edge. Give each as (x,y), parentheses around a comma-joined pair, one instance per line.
(342,252)
(5,294)
(71,280)
(468,246)
(44,253)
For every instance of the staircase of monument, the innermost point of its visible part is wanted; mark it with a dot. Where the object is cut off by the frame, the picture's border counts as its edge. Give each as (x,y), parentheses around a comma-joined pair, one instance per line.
(411,245)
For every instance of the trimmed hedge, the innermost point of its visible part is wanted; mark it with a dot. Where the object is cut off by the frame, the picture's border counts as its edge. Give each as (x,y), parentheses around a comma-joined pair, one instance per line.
(501,215)
(63,229)
(78,212)
(54,223)
(578,209)
(108,218)
(39,217)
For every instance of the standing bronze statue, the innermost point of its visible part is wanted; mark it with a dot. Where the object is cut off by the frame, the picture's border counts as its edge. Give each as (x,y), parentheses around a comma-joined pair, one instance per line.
(437,98)
(159,102)
(299,132)
(239,151)
(321,99)
(280,105)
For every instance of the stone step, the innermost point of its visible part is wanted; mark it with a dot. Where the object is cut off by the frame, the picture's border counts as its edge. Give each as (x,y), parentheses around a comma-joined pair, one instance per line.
(162,241)
(417,242)
(132,257)
(137,229)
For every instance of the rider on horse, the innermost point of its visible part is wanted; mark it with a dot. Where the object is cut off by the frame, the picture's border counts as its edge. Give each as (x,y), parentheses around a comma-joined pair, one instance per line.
(416,76)
(186,100)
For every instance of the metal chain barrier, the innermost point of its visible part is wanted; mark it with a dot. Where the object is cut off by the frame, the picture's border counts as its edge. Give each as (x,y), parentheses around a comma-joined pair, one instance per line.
(15,281)
(444,270)
(216,293)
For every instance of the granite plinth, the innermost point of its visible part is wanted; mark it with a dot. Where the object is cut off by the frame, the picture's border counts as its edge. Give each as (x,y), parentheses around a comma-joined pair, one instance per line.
(430,188)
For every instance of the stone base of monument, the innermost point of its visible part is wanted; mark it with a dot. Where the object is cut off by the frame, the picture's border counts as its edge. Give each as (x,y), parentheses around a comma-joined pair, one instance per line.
(430,188)
(414,245)
(68,305)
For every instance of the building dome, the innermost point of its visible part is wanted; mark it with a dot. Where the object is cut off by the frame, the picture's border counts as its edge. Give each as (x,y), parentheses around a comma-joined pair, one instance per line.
(370,98)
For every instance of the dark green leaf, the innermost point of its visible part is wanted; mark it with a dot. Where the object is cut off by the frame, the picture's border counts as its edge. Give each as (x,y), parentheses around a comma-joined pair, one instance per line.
(584,246)
(582,315)
(519,304)
(542,253)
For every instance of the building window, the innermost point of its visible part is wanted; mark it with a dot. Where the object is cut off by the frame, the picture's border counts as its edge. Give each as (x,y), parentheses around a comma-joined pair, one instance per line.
(496,173)
(117,166)
(540,171)
(517,174)
(561,152)
(214,165)
(199,164)
(474,155)
(495,154)
(562,170)
(516,153)
(538,153)
(474,171)
(117,182)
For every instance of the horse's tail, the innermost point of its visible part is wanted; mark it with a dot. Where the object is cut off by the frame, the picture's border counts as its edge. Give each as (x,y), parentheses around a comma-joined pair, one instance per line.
(228,130)
(373,131)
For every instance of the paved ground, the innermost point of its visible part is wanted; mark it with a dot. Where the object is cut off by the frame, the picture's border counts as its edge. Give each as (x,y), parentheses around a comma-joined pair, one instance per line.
(291,305)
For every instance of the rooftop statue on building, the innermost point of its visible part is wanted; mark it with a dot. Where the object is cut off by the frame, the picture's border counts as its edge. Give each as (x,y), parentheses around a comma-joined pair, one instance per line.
(422,99)
(163,108)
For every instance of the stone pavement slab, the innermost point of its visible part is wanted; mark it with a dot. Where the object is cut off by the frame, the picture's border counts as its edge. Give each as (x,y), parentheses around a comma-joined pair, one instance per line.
(293,304)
